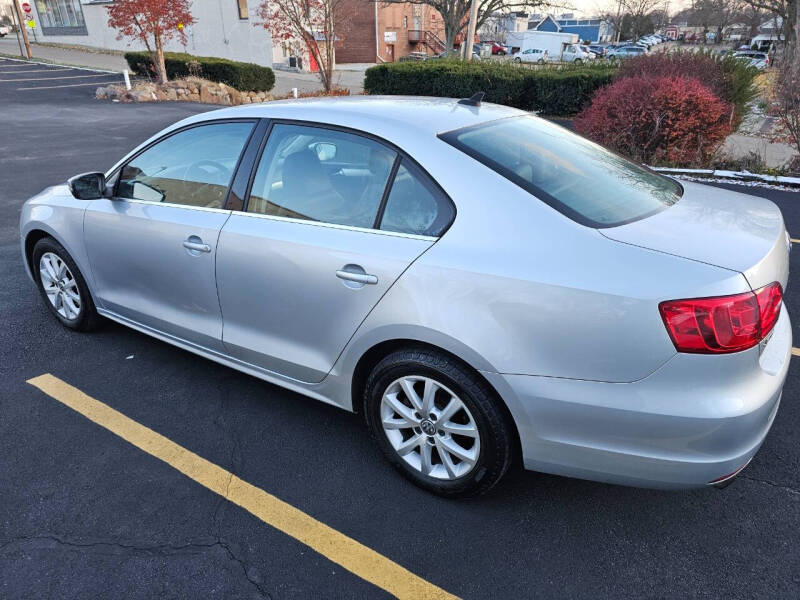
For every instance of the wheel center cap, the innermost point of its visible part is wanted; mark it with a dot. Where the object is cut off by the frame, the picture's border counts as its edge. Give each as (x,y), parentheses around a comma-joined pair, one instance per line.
(427,426)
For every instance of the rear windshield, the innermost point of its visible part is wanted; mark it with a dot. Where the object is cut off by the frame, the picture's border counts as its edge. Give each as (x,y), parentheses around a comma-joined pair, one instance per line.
(579,178)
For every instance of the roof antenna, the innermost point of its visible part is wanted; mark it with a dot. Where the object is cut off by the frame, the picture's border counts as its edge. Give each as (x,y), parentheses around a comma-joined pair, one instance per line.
(474,100)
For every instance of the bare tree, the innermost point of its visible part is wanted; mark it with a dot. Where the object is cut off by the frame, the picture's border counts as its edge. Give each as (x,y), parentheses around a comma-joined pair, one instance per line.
(718,14)
(787,96)
(787,10)
(455,13)
(613,14)
(308,25)
(639,11)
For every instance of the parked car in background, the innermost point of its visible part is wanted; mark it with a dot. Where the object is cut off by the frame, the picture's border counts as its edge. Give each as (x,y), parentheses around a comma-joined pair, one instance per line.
(532,55)
(4,30)
(598,51)
(498,48)
(574,53)
(626,52)
(759,60)
(601,321)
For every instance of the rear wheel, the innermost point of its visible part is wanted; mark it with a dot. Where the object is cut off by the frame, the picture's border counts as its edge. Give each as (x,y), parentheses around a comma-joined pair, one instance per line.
(438,423)
(62,286)
(518,60)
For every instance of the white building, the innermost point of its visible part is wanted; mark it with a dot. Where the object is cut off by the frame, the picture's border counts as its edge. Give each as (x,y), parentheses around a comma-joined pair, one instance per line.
(223,28)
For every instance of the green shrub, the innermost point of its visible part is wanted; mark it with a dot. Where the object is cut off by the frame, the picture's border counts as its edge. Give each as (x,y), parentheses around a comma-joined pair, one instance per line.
(247,77)
(552,90)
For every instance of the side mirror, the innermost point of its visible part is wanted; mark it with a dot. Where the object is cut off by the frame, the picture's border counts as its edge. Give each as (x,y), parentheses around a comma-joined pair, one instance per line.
(88,186)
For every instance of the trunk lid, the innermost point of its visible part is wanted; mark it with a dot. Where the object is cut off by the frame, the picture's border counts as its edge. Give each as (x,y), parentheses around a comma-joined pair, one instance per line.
(718,227)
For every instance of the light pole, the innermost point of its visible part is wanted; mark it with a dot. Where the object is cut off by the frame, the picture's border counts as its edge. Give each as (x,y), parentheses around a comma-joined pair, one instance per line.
(473,18)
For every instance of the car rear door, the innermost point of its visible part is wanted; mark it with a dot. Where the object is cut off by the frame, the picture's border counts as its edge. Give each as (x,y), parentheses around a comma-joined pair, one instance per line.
(152,247)
(301,268)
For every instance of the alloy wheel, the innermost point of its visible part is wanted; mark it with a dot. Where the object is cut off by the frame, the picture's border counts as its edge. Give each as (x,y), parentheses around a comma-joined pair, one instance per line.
(60,286)
(430,428)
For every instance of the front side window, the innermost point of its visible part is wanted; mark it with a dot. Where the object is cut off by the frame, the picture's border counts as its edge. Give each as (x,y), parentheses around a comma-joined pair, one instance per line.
(192,167)
(577,177)
(318,174)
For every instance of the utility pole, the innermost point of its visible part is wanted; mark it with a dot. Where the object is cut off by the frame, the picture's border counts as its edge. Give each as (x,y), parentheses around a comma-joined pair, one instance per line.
(18,10)
(473,19)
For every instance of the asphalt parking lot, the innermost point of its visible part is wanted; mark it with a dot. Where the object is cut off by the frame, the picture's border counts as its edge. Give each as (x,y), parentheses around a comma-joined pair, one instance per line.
(87,513)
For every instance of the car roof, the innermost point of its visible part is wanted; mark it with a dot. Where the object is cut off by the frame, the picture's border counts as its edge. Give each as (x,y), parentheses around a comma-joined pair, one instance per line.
(379,115)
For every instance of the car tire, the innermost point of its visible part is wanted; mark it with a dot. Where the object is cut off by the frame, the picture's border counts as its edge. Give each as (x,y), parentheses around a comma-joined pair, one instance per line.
(59,292)
(488,448)
(540,61)
(518,60)
(578,61)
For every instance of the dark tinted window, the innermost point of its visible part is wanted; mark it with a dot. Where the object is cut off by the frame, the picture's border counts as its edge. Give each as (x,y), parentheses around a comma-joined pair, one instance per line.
(192,167)
(415,205)
(321,174)
(583,180)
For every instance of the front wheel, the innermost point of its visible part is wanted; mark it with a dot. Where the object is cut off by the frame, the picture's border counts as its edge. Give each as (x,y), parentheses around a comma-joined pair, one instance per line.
(62,286)
(518,60)
(438,423)
(578,61)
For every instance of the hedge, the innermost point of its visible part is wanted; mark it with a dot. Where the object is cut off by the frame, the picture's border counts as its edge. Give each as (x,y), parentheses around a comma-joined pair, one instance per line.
(246,77)
(552,90)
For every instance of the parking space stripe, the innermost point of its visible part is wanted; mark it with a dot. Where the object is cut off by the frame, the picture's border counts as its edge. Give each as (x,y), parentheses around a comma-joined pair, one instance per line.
(794,241)
(60,77)
(69,85)
(36,71)
(795,351)
(337,547)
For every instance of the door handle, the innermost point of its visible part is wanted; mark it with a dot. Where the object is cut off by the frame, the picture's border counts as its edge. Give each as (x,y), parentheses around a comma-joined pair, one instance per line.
(362,278)
(195,244)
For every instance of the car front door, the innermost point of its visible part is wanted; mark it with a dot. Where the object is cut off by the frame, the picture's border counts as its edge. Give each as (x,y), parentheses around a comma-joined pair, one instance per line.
(317,247)
(152,247)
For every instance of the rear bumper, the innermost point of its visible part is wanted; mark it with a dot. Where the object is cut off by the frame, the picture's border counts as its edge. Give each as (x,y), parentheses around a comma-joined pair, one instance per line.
(695,420)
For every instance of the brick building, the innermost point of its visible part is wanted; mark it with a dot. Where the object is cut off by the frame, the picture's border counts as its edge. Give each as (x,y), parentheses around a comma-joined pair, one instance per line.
(377,32)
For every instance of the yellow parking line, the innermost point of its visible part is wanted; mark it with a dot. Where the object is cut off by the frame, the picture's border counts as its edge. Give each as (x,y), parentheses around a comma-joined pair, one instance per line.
(337,547)
(795,351)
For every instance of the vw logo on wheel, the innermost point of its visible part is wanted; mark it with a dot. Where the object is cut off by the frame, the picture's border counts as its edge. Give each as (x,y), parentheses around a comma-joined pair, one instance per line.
(428,428)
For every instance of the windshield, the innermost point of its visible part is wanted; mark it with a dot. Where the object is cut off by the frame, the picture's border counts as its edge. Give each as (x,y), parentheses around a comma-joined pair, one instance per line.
(584,181)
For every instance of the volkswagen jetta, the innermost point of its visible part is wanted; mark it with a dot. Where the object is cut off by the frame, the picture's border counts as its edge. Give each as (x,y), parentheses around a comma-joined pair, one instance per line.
(479,283)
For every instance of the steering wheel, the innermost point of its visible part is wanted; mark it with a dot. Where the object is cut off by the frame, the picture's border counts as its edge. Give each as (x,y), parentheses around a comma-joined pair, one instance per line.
(206,181)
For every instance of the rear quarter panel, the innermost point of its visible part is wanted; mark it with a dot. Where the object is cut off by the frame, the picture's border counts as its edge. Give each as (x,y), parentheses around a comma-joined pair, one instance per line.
(516,287)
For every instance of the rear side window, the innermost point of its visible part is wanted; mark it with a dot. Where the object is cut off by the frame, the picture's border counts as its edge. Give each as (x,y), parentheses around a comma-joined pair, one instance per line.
(415,205)
(577,177)
(319,174)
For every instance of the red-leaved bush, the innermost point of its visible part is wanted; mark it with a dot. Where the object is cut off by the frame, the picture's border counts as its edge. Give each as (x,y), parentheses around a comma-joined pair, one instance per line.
(696,65)
(657,120)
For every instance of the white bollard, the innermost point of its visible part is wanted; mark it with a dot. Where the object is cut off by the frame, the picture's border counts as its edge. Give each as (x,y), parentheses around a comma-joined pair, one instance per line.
(127,80)
(294,92)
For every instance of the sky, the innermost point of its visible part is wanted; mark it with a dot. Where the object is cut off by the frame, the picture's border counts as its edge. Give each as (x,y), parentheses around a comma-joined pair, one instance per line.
(593,7)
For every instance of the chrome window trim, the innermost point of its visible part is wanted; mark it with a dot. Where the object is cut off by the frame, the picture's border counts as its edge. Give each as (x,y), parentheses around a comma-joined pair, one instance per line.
(170,205)
(425,238)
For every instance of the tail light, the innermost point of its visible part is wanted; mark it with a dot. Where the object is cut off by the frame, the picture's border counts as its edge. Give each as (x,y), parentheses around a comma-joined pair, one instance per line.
(722,324)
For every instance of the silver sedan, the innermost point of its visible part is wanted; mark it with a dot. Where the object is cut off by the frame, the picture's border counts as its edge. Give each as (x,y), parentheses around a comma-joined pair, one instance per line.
(480,284)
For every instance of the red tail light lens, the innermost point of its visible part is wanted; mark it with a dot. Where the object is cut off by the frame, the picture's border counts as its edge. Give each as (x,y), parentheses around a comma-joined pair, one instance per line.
(723,324)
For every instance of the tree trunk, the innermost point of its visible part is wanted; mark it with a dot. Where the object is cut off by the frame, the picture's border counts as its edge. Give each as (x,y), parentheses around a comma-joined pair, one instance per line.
(449,37)
(158,61)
